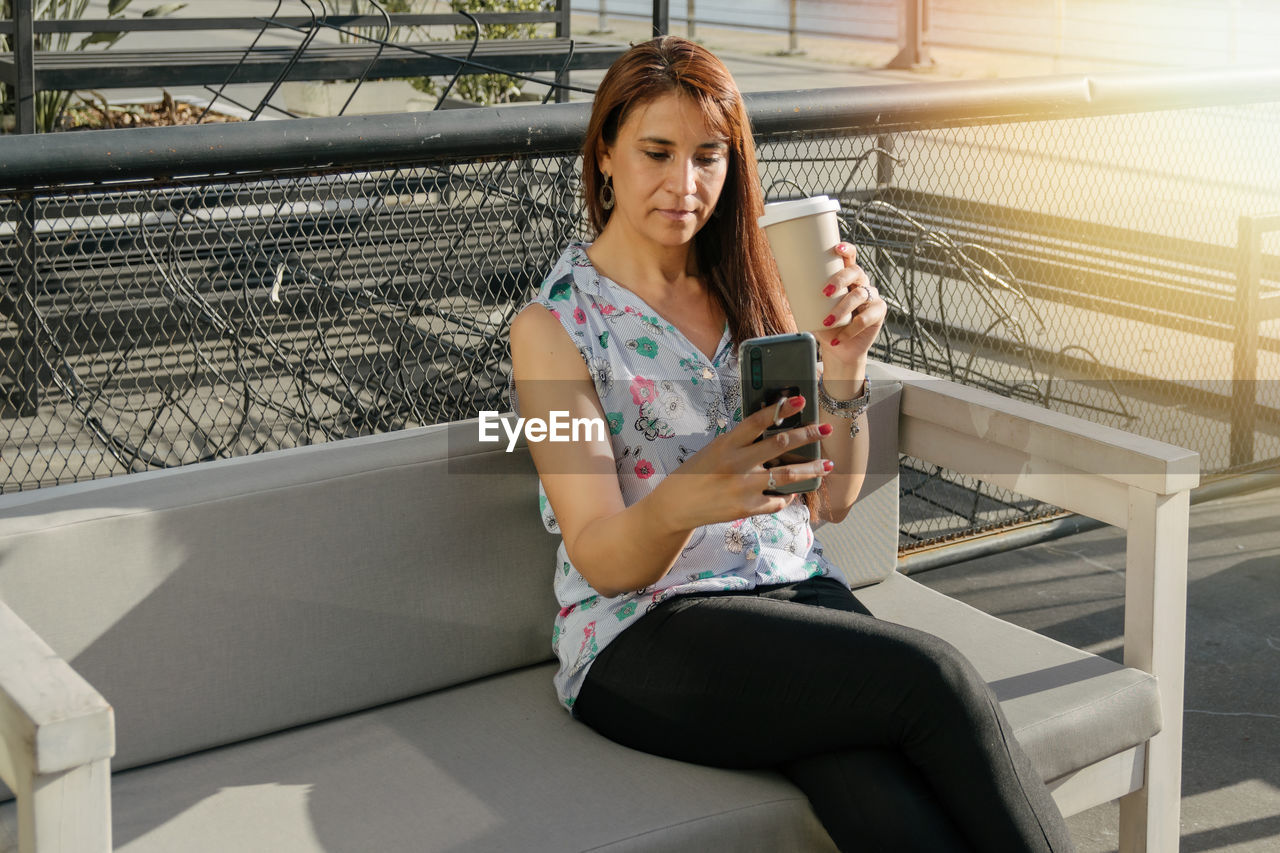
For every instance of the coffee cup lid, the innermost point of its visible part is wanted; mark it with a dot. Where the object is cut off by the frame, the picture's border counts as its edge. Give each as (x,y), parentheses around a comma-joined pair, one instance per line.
(781,211)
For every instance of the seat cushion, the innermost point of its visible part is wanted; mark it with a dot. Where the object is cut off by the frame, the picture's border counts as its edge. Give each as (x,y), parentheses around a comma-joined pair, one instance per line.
(1068,708)
(494,764)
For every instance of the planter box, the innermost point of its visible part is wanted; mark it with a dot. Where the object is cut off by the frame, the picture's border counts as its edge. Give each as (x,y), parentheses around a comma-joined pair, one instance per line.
(326,98)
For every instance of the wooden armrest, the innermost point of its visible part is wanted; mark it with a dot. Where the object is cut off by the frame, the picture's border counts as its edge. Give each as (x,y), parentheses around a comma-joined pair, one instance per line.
(1063,460)
(57,735)
(1135,483)
(50,718)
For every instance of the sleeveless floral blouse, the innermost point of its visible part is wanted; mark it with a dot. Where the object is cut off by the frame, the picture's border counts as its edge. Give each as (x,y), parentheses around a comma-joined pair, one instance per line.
(664,401)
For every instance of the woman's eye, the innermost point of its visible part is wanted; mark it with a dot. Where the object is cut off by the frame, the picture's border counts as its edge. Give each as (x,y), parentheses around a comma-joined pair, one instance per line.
(656,155)
(709,161)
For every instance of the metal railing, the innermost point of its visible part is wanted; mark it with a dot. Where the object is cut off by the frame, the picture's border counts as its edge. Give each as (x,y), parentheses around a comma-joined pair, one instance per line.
(370,39)
(179,294)
(1173,33)
(1139,33)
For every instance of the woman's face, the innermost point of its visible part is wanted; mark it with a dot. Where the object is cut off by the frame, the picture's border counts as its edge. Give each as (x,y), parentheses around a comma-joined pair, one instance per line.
(668,168)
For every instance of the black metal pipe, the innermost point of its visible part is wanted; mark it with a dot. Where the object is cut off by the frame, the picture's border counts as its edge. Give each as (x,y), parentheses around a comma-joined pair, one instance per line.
(131,25)
(24,69)
(375,141)
(504,131)
(984,545)
(661,17)
(1059,527)
(872,109)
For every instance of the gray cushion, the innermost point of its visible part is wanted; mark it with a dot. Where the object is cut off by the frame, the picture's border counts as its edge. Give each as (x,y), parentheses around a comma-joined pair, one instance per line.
(222,601)
(239,597)
(495,764)
(492,765)
(1068,708)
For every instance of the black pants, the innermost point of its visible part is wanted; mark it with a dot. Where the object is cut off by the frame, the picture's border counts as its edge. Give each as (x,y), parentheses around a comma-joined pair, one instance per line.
(893,736)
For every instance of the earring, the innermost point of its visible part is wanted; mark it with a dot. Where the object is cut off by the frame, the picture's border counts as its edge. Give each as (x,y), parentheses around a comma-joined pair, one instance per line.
(606,193)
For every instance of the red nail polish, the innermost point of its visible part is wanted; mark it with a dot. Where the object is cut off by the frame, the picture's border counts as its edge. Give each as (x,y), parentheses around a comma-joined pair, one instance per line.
(797,401)
(827,465)
(835,342)
(824,429)
(828,290)
(831,318)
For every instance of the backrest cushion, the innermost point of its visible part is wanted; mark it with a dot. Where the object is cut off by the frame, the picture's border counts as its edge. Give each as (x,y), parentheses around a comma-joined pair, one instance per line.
(224,600)
(234,598)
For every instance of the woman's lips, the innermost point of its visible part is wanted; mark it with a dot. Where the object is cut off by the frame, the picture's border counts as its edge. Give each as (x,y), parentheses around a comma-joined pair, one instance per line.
(677,215)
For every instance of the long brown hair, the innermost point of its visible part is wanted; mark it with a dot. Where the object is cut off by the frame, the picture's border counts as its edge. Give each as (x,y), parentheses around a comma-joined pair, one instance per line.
(732,253)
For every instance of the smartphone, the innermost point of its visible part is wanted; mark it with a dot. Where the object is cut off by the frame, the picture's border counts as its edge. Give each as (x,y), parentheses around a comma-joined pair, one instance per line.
(780,366)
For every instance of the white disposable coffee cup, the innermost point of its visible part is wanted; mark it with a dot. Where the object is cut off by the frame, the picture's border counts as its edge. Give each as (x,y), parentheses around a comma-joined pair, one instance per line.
(803,235)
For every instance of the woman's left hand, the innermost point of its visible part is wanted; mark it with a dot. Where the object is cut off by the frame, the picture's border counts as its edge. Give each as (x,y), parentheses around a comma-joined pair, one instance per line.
(857,316)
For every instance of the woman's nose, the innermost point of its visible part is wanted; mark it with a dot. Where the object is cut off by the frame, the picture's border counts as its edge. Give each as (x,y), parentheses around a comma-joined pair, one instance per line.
(683,178)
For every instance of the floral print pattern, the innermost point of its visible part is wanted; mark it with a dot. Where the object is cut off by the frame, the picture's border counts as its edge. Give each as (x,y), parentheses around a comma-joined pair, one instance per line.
(644,346)
(664,400)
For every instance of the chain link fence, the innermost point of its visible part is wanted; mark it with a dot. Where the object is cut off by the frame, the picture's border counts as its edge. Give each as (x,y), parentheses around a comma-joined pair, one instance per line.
(1089,264)
(188,322)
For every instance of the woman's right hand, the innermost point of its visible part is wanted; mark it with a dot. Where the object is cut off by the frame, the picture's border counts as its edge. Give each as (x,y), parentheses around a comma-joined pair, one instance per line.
(726,480)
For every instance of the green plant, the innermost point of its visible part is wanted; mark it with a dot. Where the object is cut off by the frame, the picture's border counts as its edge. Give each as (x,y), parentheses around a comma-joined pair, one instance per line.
(50,105)
(494,88)
(478,88)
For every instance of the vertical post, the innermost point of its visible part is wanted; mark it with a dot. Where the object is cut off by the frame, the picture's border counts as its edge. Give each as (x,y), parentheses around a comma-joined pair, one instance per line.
(692,23)
(915,26)
(24,61)
(1244,355)
(22,292)
(884,161)
(1155,636)
(564,29)
(1233,37)
(1059,13)
(68,812)
(793,43)
(661,17)
(1252,309)
(602,19)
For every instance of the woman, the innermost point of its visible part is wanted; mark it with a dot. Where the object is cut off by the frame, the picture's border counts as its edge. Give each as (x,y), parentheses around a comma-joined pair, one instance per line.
(700,619)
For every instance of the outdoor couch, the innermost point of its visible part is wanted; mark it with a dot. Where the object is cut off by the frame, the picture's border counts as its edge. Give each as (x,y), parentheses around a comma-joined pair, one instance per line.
(347,647)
